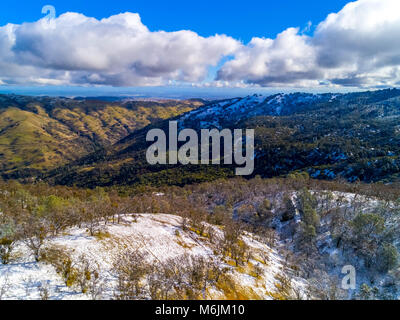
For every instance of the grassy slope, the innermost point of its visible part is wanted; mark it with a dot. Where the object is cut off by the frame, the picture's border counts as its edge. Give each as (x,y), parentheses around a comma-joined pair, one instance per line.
(36,136)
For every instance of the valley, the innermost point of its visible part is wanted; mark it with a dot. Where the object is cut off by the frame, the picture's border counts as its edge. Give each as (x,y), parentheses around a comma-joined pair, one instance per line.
(351,136)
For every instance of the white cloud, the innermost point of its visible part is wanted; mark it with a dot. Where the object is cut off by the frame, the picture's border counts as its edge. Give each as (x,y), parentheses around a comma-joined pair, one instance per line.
(120,51)
(358,46)
(289,58)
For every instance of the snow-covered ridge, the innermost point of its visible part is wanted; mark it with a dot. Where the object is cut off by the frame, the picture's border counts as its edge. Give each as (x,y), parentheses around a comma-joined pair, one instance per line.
(215,114)
(160,237)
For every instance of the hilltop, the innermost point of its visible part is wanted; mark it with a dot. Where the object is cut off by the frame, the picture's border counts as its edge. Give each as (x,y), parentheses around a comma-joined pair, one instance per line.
(227,239)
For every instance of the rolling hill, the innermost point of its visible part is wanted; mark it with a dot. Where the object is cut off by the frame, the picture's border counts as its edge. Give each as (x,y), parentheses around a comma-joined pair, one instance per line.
(41,133)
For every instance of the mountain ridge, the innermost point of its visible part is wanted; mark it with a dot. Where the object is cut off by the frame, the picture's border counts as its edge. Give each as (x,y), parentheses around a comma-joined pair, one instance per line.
(318,134)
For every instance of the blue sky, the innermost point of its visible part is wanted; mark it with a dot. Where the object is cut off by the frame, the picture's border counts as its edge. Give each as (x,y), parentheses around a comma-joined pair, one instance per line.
(142,54)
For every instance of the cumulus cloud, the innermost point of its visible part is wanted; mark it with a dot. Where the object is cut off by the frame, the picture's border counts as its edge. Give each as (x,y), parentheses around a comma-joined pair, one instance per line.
(119,51)
(289,58)
(358,46)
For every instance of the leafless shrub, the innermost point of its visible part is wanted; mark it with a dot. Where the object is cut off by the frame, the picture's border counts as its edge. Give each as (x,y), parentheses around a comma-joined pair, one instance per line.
(131,268)
(4,286)
(35,235)
(44,291)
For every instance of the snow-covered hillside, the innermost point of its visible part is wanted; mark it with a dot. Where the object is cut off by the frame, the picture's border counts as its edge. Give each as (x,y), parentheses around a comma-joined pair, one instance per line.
(231,110)
(159,238)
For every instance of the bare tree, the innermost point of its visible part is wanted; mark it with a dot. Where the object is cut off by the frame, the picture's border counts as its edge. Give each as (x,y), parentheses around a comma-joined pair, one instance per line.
(35,235)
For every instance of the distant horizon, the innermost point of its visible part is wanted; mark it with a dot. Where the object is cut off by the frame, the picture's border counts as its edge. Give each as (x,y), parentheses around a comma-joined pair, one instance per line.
(165,92)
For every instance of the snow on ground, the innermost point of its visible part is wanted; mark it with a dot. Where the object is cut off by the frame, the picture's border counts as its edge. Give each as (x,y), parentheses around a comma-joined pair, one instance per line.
(159,236)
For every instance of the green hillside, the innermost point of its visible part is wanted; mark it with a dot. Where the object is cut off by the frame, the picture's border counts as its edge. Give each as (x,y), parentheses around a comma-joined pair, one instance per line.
(39,134)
